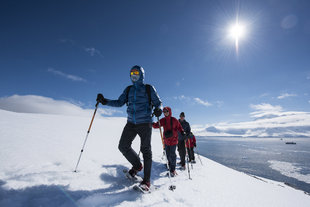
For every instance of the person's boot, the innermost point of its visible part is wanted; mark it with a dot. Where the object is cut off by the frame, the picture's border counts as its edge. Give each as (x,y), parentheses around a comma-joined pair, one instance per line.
(173,173)
(132,172)
(145,185)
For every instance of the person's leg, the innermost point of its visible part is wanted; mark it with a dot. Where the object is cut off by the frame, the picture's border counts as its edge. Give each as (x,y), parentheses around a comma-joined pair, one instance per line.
(189,154)
(168,151)
(145,133)
(173,158)
(182,152)
(192,153)
(128,135)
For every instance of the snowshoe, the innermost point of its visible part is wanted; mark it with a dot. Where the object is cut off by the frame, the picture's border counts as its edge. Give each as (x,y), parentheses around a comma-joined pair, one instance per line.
(143,187)
(130,176)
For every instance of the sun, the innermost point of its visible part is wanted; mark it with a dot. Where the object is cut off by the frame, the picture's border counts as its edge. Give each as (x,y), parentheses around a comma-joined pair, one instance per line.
(236,32)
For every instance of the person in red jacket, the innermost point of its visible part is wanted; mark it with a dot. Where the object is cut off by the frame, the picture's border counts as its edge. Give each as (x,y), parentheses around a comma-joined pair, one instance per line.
(190,143)
(171,128)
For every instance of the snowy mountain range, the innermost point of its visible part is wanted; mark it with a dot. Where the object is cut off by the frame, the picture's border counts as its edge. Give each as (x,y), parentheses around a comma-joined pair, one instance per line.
(269,121)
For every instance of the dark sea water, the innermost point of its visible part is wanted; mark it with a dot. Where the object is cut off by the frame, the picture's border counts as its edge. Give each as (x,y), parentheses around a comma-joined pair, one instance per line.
(265,157)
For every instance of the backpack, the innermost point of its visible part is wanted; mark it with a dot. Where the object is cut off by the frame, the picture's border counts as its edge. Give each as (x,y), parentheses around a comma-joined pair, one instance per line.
(191,135)
(148,91)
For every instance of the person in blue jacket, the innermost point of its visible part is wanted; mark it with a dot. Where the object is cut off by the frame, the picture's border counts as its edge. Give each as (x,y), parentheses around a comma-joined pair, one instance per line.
(139,98)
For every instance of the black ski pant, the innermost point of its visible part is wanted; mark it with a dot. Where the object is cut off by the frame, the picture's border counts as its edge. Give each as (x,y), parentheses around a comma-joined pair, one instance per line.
(171,156)
(182,152)
(129,133)
(191,153)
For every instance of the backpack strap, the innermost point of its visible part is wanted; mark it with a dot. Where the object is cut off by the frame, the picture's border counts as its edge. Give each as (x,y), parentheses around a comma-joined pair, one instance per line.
(127,91)
(170,123)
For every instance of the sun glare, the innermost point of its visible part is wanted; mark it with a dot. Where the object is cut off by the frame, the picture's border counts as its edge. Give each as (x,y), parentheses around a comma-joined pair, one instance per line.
(237,32)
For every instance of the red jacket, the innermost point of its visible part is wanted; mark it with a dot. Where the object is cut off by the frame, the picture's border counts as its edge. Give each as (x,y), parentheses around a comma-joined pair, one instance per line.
(166,123)
(191,141)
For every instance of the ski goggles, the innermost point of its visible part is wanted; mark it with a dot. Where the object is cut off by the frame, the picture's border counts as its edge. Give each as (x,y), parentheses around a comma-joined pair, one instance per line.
(134,75)
(165,111)
(134,72)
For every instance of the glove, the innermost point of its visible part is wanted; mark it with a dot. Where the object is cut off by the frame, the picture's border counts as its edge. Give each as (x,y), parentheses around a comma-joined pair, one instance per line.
(183,133)
(195,145)
(101,99)
(157,112)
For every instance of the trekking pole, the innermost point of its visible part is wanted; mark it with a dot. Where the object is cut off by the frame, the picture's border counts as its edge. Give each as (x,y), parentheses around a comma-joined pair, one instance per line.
(162,139)
(188,170)
(198,156)
(171,187)
(86,137)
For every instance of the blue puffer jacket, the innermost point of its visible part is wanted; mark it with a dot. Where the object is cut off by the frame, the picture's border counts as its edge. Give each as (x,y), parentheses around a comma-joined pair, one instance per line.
(139,111)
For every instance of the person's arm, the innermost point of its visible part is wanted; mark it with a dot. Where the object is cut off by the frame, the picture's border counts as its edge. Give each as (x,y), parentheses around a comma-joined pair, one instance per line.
(119,102)
(188,129)
(155,98)
(179,128)
(156,125)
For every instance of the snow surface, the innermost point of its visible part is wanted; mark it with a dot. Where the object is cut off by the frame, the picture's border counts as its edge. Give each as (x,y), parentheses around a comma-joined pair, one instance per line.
(38,154)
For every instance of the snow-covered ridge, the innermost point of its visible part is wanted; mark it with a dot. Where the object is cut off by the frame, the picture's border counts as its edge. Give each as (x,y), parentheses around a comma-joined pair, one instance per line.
(38,153)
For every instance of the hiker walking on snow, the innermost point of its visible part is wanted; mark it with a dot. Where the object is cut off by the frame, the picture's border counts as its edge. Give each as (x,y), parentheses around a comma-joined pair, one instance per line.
(171,129)
(139,98)
(181,144)
(190,144)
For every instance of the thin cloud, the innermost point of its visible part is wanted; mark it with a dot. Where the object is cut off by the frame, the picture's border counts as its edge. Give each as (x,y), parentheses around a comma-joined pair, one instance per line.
(90,50)
(204,103)
(265,109)
(67,76)
(264,95)
(182,98)
(46,105)
(93,51)
(197,100)
(68,41)
(286,95)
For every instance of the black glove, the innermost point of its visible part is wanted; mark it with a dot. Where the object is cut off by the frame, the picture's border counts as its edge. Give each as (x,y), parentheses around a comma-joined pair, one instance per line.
(195,145)
(157,112)
(183,133)
(101,99)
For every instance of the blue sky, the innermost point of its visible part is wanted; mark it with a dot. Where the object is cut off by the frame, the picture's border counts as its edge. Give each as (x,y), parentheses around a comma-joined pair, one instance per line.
(72,50)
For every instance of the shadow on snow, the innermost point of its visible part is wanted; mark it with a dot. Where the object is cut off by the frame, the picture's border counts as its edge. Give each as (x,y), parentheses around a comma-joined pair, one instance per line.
(117,192)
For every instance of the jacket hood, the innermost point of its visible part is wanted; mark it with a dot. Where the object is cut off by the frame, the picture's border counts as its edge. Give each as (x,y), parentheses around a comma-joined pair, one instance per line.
(142,75)
(169,109)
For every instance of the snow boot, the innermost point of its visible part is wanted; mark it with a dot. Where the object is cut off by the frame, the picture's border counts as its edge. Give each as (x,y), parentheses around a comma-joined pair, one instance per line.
(132,172)
(145,185)
(173,173)
(183,167)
